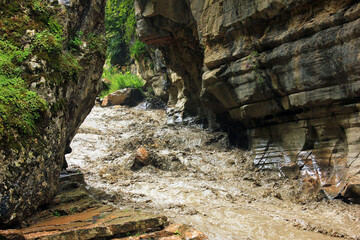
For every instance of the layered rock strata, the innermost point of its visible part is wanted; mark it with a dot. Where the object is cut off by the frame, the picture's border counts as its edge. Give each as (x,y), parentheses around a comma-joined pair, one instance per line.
(282,76)
(64,39)
(78,211)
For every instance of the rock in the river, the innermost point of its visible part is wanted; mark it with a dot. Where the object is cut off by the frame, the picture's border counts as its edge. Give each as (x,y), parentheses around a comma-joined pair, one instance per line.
(126,96)
(283,76)
(61,76)
(142,156)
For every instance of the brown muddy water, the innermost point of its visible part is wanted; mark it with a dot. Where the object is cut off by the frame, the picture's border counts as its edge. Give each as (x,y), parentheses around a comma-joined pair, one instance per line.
(196,178)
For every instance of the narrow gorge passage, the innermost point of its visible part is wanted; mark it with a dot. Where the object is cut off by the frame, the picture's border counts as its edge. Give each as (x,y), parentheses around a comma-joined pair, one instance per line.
(197,178)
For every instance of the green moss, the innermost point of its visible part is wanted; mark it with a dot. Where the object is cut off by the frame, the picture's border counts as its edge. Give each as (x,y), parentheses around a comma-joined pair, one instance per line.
(47,41)
(20,108)
(59,105)
(22,111)
(10,58)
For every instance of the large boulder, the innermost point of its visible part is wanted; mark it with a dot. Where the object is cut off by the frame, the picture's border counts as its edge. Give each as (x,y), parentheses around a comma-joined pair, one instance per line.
(127,96)
(49,83)
(281,75)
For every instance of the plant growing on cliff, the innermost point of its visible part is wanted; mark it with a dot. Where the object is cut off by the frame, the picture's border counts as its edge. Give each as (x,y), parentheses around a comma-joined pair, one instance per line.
(252,63)
(137,48)
(76,42)
(10,58)
(47,41)
(30,30)
(20,108)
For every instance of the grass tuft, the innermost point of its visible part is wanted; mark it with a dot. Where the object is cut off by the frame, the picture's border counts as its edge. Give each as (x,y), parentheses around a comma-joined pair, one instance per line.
(117,80)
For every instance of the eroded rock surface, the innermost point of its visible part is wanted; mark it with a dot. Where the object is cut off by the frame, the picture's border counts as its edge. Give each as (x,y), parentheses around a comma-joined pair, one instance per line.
(66,40)
(281,76)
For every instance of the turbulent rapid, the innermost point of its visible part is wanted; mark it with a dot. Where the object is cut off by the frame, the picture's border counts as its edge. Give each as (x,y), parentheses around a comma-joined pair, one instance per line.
(194,176)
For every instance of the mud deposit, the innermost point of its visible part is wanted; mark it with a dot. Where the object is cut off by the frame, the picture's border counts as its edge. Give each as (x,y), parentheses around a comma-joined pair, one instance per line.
(196,178)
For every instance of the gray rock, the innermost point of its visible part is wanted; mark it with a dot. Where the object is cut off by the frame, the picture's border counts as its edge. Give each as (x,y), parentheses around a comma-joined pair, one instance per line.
(291,84)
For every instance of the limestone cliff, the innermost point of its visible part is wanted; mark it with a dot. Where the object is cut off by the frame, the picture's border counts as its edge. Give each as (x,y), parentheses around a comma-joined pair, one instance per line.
(54,53)
(282,75)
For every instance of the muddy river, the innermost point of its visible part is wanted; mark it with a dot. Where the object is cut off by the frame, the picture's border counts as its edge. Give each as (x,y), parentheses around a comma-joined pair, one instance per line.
(197,178)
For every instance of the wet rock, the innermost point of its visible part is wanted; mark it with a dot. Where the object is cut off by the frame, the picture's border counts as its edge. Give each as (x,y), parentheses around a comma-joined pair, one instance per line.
(172,232)
(142,156)
(352,191)
(76,214)
(290,170)
(162,162)
(126,96)
(72,175)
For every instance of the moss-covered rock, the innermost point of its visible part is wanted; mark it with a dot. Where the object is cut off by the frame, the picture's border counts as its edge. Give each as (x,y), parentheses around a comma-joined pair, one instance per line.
(49,78)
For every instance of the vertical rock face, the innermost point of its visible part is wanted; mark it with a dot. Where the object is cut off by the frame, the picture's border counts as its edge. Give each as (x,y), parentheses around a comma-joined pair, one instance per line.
(172,29)
(65,40)
(285,74)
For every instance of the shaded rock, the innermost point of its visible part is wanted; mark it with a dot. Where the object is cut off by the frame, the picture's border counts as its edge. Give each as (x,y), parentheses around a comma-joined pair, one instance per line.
(352,191)
(67,81)
(127,96)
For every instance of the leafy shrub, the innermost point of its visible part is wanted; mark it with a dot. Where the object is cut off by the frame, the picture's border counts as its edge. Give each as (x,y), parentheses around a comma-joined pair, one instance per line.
(118,80)
(137,48)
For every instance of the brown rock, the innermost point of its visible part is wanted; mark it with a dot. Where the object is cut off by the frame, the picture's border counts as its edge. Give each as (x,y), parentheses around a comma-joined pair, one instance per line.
(74,214)
(119,97)
(175,231)
(193,234)
(105,102)
(142,156)
(126,96)
(352,190)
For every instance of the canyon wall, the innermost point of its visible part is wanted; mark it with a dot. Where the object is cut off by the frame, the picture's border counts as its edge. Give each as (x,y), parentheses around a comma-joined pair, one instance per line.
(282,76)
(62,44)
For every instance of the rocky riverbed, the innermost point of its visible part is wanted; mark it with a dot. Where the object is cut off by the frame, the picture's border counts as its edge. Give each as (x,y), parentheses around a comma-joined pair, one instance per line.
(194,176)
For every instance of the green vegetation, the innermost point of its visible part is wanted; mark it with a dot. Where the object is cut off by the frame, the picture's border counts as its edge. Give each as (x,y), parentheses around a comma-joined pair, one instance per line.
(137,48)
(120,29)
(30,29)
(76,42)
(11,57)
(122,44)
(55,213)
(118,80)
(48,42)
(252,63)
(20,109)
